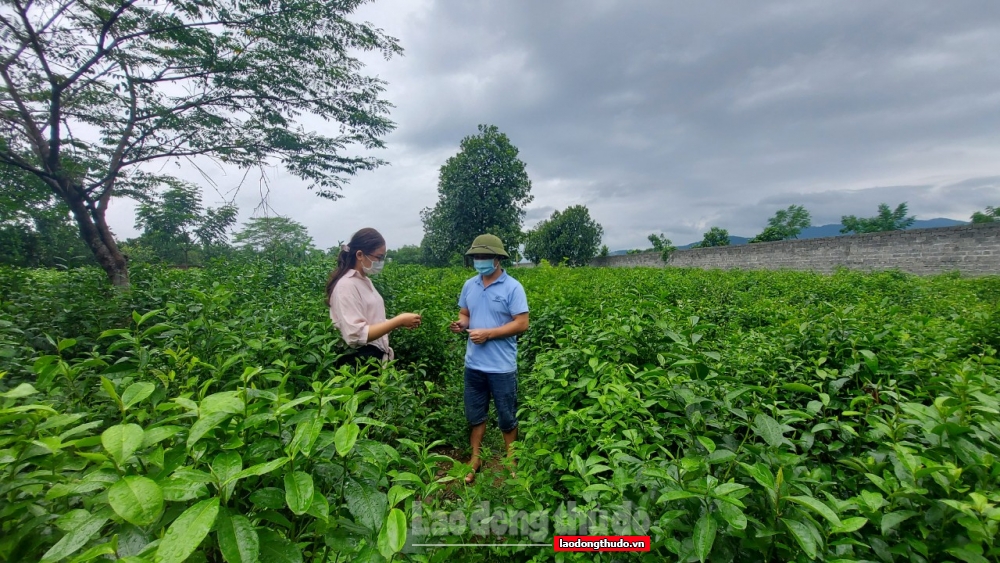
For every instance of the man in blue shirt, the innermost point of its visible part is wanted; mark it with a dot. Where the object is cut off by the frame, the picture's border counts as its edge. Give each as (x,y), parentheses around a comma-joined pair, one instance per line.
(493,309)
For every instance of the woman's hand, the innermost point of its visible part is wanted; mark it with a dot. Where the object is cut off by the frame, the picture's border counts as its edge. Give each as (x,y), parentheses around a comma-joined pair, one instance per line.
(457,327)
(408,320)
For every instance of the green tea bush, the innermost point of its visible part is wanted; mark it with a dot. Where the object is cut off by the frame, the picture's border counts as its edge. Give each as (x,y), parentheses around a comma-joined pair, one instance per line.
(749,416)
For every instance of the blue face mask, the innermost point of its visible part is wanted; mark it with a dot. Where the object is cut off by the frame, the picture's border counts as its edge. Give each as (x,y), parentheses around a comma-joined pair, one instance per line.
(484,267)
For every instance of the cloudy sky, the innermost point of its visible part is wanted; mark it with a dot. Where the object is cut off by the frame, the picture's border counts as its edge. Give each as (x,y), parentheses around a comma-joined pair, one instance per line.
(673,117)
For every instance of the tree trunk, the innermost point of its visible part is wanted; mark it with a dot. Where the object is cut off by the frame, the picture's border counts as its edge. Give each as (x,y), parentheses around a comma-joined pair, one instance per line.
(95,232)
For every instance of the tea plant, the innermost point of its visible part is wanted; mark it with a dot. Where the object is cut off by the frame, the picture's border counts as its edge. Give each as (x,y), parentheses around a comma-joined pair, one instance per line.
(742,416)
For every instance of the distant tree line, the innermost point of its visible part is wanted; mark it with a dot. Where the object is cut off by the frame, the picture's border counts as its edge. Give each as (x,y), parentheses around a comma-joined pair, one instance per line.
(483,188)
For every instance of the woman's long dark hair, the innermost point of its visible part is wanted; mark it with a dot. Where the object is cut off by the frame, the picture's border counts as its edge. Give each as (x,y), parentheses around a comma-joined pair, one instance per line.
(366,240)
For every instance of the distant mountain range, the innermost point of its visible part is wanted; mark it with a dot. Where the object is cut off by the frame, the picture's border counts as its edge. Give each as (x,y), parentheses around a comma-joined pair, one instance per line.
(831,230)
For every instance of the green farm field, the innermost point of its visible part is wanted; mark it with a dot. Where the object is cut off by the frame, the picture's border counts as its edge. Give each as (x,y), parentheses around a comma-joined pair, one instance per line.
(730,416)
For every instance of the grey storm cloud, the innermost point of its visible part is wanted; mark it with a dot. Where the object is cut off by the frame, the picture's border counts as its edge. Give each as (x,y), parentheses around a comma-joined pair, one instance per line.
(676,116)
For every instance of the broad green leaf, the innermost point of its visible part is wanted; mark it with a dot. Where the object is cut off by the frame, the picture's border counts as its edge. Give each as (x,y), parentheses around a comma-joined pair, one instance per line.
(760,473)
(114,332)
(225,402)
(204,425)
(398,493)
(720,456)
(138,500)
(967,555)
(872,500)
(94,552)
(19,392)
(320,507)
(225,466)
(849,525)
(734,516)
(141,319)
(194,475)
(798,388)
(366,503)
(109,388)
(893,519)
(186,533)
(816,506)
(122,440)
(268,497)
(306,433)
(72,519)
(707,443)
(768,429)
(76,537)
(276,549)
(676,495)
(182,490)
(152,436)
(132,541)
(729,488)
(238,540)
(392,537)
(345,438)
(871,360)
(137,392)
(704,536)
(597,487)
(298,491)
(260,469)
(27,408)
(802,534)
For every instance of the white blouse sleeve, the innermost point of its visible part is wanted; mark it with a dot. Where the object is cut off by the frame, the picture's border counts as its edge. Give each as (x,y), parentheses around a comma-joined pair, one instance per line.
(347,312)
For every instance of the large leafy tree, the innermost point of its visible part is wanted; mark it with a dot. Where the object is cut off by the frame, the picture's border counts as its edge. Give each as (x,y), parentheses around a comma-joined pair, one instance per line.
(714,237)
(175,222)
(785,224)
(990,215)
(279,238)
(93,90)
(886,220)
(570,236)
(482,189)
(406,254)
(35,227)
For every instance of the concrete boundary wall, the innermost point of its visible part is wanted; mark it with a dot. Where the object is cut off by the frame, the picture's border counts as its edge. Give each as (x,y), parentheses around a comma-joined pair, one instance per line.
(969,249)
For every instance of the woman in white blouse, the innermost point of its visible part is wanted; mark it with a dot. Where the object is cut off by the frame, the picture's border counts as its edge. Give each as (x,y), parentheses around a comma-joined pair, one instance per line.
(356,308)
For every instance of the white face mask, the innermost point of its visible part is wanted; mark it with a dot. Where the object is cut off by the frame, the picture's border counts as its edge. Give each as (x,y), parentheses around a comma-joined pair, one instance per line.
(374,269)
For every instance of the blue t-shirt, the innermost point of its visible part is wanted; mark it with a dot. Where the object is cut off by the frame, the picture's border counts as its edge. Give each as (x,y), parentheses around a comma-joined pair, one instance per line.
(492,307)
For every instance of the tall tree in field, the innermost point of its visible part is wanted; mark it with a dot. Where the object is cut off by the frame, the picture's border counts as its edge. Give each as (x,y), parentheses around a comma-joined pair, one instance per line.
(570,236)
(990,215)
(279,238)
(93,90)
(714,237)
(175,222)
(786,224)
(886,220)
(482,189)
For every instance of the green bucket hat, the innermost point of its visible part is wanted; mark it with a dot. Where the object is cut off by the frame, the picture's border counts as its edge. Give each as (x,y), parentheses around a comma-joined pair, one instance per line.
(487,244)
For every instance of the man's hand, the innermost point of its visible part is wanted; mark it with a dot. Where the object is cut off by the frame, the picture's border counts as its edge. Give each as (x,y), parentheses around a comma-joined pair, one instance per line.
(457,327)
(479,335)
